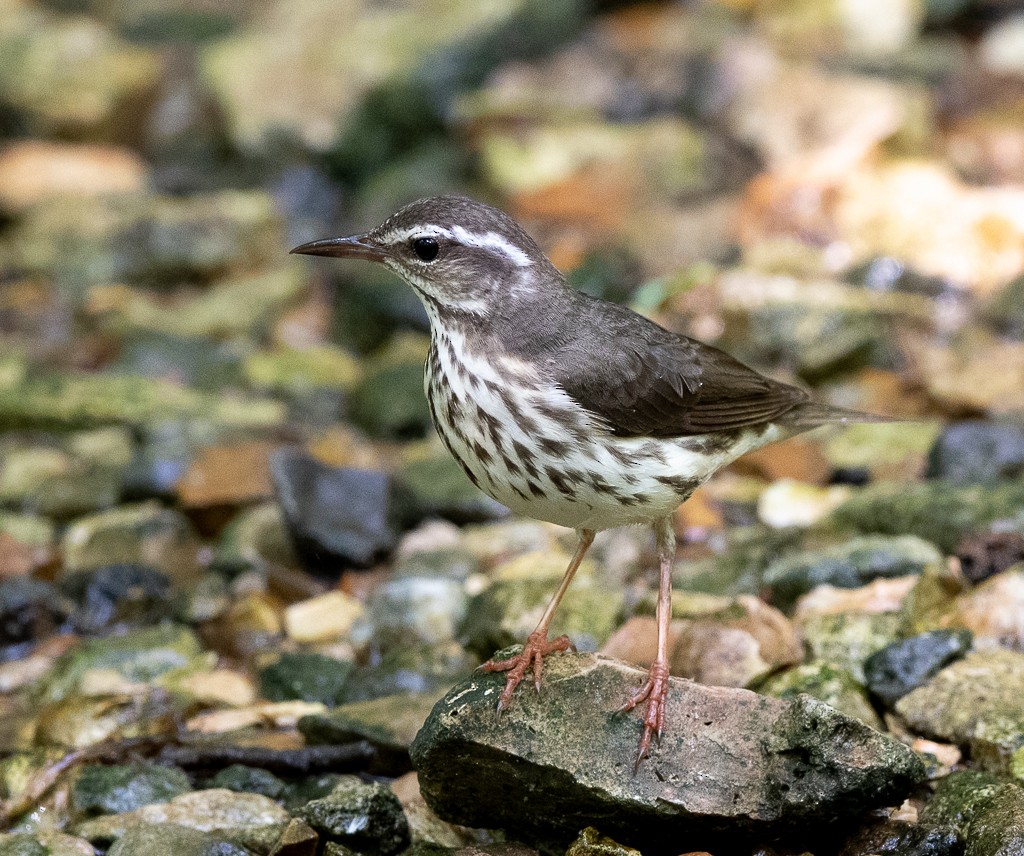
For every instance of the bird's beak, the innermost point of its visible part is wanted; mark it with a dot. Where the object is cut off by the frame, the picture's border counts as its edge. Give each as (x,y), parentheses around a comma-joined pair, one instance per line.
(353,247)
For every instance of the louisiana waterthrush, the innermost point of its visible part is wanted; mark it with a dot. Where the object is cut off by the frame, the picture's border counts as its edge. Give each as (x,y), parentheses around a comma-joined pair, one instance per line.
(567,408)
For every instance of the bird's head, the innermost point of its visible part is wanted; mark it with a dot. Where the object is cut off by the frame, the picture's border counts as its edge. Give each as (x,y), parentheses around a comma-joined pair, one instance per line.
(456,253)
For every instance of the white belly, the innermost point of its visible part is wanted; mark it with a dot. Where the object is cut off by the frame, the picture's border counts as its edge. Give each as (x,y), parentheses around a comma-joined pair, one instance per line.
(533,449)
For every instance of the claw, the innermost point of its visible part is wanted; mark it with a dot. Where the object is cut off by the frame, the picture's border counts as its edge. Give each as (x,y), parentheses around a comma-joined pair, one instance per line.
(655,693)
(537,647)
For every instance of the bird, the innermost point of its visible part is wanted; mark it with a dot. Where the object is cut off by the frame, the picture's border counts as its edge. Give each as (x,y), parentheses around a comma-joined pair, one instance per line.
(567,408)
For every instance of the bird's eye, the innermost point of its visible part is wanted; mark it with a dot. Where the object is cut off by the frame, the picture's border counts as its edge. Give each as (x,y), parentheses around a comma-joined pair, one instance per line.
(426,249)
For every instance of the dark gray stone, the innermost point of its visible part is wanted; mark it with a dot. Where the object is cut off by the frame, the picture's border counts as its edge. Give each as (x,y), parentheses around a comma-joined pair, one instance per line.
(29,610)
(366,818)
(305,677)
(338,517)
(977,453)
(248,780)
(731,762)
(125,594)
(902,838)
(905,665)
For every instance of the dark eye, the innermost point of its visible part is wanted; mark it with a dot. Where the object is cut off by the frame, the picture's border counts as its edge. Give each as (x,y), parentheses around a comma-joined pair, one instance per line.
(426,249)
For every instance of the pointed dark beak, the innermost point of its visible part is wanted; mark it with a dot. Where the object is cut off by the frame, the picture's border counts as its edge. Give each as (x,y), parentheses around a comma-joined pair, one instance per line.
(353,247)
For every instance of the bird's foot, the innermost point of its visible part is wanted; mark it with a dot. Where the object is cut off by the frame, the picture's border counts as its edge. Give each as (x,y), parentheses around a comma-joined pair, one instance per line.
(537,647)
(655,694)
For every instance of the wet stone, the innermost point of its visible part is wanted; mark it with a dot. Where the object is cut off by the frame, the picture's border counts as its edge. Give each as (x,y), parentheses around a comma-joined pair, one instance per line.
(934,511)
(252,821)
(146,534)
(411,610)
(120,788)
(961,797)
(900,838)
(848,565)
(172,839)
(298,839)
(997,828)
(337,517)
(730,761)
(977,453)
(44,843)
(847,639)
(138,656)
(305,677)
(903,666)
(365,817)
(592,843)
(831,684)
(118,595)
(984,686)
(244,779)
(411,669)
(30,610)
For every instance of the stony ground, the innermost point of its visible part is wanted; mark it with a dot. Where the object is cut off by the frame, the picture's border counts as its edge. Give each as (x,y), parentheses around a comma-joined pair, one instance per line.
(243,590)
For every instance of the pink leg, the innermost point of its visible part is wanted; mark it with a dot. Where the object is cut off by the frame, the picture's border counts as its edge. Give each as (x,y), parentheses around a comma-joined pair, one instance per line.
(655,691)
(537,646)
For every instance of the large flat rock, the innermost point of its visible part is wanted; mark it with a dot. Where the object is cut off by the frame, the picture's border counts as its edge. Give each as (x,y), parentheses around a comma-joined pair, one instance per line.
(732,762)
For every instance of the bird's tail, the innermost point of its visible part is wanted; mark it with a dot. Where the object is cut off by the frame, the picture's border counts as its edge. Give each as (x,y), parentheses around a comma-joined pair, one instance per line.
(811,414)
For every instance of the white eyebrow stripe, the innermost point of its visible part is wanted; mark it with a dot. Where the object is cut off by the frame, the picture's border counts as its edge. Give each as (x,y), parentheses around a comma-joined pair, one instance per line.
(492,241)
(486,241)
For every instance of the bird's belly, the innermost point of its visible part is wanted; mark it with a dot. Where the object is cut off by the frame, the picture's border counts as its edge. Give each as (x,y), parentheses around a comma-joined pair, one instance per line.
(533,449)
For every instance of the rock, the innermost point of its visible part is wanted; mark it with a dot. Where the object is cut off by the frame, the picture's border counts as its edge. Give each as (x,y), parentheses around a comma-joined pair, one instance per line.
(26,543)
(411,610)
(389,402)
(507,611)
(876,597)
(961,797)
(997,829)
(125,787)
(257,538)
(251,780)
(337,517)
(109,708)
(986,554)
(848,639)
(977,453)
(234,307)
(221,687)
(227,476)
(32,170)
(389,723)
(848,565)
(1000,49)
(30,610)
(149,240)
(145,534)
(250,821)
(411,669)
(828,683)
(903,666)
(728,759)
(69,74)
(791,503)
(172,839)
(205,600)
(1006,312)
(44,843)
(590,842)
(251,625)
(298,371)
(138,656)
(437,487)
(992,610)
(305,677)
(298,839)
(366,818)
(717,656)
(901,838)
(984,686)
(934,511)
(77,475)
(125,595)
(322,618)
(268,714)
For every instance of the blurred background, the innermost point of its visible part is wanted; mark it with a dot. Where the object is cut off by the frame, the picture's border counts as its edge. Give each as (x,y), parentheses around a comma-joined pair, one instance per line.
(832,190)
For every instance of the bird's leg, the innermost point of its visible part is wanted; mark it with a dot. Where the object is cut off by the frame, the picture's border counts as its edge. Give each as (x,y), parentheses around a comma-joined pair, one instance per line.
(537,646)
(655,690)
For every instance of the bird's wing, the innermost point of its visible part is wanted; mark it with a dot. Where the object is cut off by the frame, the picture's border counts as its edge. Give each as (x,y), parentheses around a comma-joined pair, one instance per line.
(653,383)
